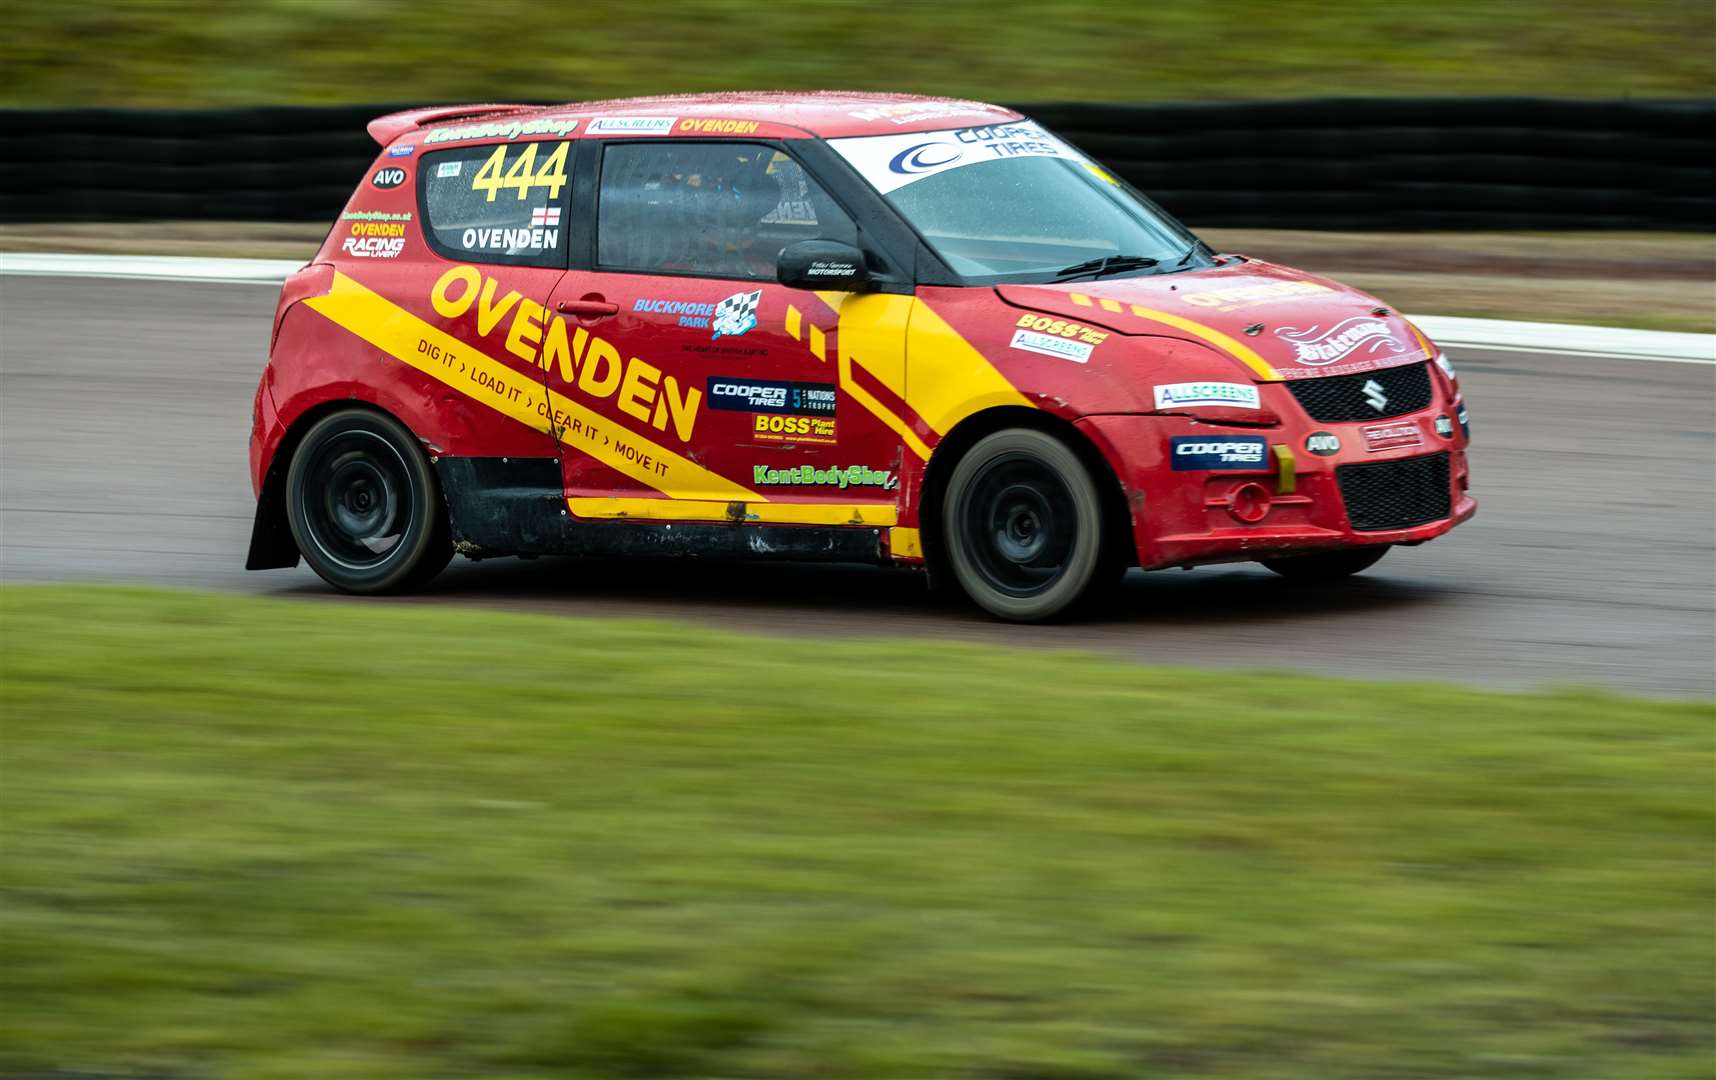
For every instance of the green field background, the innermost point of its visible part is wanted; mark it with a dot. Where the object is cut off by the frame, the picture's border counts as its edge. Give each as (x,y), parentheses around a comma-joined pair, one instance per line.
(277,840)
(219,52)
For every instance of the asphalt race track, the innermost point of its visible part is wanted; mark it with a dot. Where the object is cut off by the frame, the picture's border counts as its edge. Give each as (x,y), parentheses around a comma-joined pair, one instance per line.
(124,414)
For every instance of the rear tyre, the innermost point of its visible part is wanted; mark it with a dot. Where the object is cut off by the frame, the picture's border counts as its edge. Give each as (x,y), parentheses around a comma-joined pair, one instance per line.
(1327,565)
(364,505)
(1023,526)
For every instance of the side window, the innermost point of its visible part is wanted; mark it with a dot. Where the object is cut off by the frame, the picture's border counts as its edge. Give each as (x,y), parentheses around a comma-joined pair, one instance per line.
(708,208)
(497,204)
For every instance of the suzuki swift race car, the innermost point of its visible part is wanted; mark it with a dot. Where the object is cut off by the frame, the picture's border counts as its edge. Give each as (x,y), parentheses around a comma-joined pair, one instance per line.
(842,327)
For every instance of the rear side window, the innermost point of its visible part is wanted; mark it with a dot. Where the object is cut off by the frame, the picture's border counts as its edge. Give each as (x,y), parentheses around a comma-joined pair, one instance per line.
(708,208)
(498,204)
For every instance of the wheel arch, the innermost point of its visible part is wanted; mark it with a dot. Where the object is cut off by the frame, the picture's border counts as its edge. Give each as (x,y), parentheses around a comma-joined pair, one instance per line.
(271,544)
(966,434)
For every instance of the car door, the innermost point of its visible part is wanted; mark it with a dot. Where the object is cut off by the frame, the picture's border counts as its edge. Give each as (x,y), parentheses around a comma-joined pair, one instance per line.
(699,361)
(494,220)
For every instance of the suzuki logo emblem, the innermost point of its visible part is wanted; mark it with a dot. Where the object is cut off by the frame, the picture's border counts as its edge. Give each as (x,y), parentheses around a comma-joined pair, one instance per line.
(1373,394)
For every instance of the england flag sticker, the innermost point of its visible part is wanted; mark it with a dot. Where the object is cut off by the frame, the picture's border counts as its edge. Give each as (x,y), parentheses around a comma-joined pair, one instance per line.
(736,314)
(544,217)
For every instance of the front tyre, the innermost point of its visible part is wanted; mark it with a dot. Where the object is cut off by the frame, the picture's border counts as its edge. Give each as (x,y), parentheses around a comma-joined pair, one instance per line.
(1327,565)
(1023,525)
(364,505)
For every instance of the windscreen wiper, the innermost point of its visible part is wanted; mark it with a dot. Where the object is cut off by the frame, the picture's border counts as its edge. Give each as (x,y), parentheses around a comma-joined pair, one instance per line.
(1197,245)
(1108,264)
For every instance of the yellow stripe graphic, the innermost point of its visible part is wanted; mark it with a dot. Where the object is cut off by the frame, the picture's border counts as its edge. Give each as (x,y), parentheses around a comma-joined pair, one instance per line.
(780,513)
(949,378)
(483,379)
(1237,349)
(905,543)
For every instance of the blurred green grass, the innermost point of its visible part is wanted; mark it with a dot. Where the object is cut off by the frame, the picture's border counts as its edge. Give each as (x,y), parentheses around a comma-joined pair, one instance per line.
(214,52)
(276,839)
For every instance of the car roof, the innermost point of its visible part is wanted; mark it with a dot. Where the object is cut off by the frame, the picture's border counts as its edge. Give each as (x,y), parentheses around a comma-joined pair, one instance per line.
(823,113)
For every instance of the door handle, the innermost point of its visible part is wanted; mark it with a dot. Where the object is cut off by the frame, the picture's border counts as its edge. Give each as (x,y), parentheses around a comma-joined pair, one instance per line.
(587,308)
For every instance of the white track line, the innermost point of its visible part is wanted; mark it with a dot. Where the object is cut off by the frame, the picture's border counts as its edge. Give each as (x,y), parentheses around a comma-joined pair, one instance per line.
(1604,342)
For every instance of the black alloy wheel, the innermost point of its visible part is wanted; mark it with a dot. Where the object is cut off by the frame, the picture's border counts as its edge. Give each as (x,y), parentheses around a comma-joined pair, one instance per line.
(364,505)
(1023,525)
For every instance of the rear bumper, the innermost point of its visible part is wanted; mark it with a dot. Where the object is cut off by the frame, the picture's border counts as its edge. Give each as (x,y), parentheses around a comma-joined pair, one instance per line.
(1290,505)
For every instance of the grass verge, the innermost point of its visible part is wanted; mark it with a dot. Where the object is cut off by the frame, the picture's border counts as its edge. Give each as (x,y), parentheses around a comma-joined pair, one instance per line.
(274,839)
(212,52)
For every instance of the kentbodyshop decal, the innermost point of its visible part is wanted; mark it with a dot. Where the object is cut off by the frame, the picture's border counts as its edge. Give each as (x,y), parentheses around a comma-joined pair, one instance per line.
(810,475)
(514,129)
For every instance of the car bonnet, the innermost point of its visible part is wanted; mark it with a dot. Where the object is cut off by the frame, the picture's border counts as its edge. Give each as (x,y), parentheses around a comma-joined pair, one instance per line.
(1279,322)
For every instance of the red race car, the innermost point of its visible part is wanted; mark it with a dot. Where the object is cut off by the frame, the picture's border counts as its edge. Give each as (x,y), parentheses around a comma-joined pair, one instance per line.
(856,328)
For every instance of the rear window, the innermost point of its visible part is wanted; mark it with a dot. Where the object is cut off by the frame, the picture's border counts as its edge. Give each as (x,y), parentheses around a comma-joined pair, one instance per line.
(498,204)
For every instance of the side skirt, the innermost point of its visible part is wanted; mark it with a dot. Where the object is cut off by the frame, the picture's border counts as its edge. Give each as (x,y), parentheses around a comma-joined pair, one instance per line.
(516,506)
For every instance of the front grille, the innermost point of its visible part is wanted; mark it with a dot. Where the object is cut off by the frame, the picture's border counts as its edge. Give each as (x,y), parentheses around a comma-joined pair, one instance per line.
(1343,397)
(1396,494)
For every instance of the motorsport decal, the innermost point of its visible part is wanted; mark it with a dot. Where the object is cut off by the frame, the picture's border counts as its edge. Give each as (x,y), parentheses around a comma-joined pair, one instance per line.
(375,239)
(1391,436)
(1318,346)
(810,429)
(595,367)
(918,111)
(521,173)
(375,215)
(509,241)
(447,168)
(736,314)
(401,151)
(810,475)
(632,125)
(1251,295)
(1323,443)
(1048,345)
(691,313)
(388,176)
(1465,421)
(1048,324)
(891,162)
(760,395)
(717,127)
(1445,426)
(1188,395)
(1203,452)
(547,125)
(519,394)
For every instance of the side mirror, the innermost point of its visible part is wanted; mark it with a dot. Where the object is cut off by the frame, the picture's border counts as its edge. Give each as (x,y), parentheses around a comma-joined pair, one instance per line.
(822,264)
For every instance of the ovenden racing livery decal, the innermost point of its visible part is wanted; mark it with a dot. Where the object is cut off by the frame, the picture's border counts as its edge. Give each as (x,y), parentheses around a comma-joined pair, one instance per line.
(589,370)
(375,239)
(890,162)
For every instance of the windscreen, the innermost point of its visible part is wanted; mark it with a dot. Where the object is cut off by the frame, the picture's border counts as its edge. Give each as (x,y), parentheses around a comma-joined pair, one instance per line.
(1010,202)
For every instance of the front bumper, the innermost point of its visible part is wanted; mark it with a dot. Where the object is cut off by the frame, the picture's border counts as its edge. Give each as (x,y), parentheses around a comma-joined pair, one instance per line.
(1291,504)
